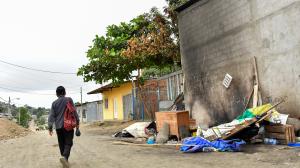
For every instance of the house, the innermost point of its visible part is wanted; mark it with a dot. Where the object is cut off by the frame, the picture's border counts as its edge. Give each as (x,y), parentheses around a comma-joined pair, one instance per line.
(117,101)
(126,102)
(220,37)
(90,111)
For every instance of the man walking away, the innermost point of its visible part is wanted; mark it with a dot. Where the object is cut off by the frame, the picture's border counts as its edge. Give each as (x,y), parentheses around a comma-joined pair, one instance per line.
(56,116)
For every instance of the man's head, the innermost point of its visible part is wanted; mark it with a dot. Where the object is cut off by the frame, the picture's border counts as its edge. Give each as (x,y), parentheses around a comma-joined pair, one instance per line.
(60,91)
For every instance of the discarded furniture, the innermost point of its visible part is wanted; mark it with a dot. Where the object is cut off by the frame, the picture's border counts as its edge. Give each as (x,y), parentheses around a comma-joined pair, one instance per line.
(178,121)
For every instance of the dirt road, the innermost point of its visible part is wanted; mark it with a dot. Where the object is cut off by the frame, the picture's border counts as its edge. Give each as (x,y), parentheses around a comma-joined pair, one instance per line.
(38,150)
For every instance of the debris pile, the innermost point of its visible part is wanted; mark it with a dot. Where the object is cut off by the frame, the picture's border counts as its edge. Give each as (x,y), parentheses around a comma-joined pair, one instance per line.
(260,124)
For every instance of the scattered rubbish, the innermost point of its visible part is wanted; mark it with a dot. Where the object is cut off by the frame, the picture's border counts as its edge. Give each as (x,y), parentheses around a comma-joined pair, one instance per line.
(151,140)
(178,104)
(199,132)
(137,129)
(261,124)
(123,134)
(245,126)
(270,141)
(151,129)
(197,144)
(209,149)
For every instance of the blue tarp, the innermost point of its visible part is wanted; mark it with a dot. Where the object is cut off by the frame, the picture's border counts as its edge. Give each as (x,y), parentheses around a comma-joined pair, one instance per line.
(196,144)
(294,144)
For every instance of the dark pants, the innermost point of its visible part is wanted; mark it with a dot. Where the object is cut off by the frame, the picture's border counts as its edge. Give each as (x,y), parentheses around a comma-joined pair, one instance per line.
(65,141)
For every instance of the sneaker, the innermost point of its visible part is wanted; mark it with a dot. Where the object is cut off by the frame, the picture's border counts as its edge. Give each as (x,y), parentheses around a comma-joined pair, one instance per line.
(64,162)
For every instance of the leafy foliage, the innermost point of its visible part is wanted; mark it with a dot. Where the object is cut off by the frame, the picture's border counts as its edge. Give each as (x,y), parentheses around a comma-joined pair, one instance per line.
(105,59)
(155,46)
(24,117)
(41,121)
(147,41)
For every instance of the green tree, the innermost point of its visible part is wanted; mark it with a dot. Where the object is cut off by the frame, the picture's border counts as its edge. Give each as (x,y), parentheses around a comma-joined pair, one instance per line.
(146,41)
(24,117)
(41,121)
(3,108)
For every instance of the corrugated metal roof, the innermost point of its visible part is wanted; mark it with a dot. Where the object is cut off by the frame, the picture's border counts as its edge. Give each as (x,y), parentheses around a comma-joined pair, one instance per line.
(104,88)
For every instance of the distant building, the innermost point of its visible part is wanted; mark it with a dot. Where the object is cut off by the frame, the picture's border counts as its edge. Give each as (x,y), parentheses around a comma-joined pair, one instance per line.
(126,102)
(117,101)
(90,111)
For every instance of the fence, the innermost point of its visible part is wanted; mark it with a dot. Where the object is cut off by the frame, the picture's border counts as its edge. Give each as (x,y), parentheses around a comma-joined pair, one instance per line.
(156,95)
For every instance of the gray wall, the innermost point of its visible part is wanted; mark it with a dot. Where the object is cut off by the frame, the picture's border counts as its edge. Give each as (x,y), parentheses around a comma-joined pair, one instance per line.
(222,36)
(94,111)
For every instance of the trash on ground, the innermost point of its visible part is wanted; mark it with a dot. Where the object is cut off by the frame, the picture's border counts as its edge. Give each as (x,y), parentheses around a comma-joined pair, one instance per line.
(199,144)
(138,129)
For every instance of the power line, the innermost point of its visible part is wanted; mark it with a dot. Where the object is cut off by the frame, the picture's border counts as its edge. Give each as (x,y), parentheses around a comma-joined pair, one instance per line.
(32,93)
(40,78)
(39,70)
(31,89)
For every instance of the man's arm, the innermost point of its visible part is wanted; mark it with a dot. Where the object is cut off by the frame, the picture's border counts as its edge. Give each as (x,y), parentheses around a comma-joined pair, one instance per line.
(51,119)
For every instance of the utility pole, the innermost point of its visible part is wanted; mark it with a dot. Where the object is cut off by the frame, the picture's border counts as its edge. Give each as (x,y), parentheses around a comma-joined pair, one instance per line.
(9,107)
(81,119)
(19,116)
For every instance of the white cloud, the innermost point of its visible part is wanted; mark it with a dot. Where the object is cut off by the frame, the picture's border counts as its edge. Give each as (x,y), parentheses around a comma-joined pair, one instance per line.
(55,35)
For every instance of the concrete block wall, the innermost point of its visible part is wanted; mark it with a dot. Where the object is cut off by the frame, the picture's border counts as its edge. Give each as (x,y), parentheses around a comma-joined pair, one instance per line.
(222,36)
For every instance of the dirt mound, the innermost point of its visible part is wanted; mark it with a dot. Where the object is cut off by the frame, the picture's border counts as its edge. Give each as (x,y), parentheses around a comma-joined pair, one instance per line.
(9,130)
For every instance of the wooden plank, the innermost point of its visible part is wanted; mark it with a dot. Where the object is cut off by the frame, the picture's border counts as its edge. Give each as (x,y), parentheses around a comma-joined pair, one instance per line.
(239,128)
(287,134)
(293,134)
(282,142)
(279,136)
(275,129)
(255,71)
(260,101)
(146,145)
(267,113)
(250,122)
(255,96)
(248,100)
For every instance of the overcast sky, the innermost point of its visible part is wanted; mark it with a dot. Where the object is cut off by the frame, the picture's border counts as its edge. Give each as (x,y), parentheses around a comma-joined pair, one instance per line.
(54,35)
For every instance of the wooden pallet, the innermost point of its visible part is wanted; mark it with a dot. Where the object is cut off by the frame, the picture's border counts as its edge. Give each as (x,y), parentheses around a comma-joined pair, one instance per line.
(283,133)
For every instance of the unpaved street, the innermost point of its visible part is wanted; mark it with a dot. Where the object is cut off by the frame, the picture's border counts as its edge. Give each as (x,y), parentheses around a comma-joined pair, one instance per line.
(38,150)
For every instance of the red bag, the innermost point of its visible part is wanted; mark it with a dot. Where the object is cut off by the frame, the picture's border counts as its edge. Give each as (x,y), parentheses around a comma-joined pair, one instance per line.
(69,117)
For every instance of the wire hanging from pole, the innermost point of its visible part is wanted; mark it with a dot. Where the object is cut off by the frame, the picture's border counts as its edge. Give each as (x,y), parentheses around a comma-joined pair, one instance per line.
(39,70)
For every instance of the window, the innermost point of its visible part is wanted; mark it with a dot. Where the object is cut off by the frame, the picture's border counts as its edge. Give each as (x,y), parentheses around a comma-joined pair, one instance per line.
(84,113)
(106,103)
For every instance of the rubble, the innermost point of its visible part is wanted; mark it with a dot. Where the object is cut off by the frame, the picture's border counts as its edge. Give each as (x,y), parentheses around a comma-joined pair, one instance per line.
(256,125)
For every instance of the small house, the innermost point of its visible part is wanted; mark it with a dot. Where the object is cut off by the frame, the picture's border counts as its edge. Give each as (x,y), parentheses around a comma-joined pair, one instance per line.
(117,101)
(90,111)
